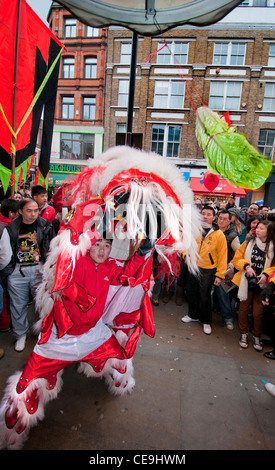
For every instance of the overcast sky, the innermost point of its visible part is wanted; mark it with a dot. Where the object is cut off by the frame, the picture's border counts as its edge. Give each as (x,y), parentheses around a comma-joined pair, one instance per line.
(41,8)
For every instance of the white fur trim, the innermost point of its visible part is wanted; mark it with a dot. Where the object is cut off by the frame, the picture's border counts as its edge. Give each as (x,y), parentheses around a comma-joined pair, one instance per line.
(9,439)
(118,383)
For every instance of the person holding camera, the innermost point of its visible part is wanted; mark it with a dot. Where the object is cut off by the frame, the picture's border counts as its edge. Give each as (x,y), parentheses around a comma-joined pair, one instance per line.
(255,262)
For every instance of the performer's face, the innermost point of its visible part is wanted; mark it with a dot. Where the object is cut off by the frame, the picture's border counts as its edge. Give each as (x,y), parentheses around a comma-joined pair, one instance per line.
(100,251)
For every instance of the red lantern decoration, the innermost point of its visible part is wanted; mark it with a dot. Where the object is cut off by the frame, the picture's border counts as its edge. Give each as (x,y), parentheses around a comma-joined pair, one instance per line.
(210,180)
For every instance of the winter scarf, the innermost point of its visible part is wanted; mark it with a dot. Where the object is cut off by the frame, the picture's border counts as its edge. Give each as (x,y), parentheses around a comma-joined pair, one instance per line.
(243,289)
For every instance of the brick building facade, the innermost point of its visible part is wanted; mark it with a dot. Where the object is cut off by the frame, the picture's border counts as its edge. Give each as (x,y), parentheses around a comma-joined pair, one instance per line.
(228,66)
(79,112)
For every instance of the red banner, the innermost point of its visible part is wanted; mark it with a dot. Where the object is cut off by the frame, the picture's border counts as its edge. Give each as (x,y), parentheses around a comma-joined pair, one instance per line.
(38,50)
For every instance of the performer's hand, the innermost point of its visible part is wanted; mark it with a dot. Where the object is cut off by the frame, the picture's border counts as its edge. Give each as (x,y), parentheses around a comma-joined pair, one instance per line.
(267,293)
(146,247)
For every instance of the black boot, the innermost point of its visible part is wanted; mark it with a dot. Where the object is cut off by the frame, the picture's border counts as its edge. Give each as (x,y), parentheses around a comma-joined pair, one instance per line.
(270,354)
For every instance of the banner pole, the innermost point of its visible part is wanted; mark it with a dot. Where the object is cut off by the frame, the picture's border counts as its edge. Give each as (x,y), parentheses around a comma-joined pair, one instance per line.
(13,153)
(131,97)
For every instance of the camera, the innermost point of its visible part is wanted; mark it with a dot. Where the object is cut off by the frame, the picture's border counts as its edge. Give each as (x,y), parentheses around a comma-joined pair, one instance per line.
(253,285)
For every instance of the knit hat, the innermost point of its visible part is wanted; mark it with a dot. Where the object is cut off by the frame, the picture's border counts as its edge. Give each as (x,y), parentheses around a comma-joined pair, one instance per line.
(234,211)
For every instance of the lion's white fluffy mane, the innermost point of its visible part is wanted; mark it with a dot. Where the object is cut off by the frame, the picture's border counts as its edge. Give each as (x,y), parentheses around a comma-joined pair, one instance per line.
(183,222)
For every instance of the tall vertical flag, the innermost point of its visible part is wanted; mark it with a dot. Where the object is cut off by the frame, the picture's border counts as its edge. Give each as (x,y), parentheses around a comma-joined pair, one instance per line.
(37,65)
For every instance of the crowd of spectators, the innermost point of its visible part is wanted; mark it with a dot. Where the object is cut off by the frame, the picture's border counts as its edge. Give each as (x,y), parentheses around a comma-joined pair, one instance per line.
(28,222)
(236,245)
(236,248)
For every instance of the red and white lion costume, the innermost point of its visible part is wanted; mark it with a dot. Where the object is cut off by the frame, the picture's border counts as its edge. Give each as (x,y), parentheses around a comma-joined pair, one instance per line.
(155,191)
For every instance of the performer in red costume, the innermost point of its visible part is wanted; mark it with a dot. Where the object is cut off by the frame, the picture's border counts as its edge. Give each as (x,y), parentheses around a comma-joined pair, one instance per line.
(74,331)
(93,304)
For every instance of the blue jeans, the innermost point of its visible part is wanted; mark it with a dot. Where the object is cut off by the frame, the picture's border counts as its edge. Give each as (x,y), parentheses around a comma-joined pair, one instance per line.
(222,298)
(20,282)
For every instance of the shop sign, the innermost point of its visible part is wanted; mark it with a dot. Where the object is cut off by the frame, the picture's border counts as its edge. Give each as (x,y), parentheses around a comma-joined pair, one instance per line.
(65,168)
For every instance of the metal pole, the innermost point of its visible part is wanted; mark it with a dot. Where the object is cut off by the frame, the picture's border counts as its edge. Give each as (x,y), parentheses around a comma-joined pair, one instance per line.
(14,95)
(131,97)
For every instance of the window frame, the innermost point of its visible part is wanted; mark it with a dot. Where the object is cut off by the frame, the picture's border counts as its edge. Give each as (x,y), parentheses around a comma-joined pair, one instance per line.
(69,26)
(68,106)
(92,67)
(174,56)
(253,3)
(82,142)
(123,96)
(93,32)
(70,67)
(269,99)
(262,147)
(90,106)
(125,55)
(229,53)
(271,57)
(225,96)
(165,100)
(162,145)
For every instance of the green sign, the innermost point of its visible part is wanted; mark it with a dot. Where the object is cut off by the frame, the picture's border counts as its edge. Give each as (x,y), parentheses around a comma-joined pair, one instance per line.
(56,168)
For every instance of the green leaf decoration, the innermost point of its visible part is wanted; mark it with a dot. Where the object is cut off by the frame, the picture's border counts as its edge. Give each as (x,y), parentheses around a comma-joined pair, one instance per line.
(228,153)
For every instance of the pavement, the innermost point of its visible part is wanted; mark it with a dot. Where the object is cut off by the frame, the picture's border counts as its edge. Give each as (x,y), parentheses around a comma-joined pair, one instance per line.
(193,392)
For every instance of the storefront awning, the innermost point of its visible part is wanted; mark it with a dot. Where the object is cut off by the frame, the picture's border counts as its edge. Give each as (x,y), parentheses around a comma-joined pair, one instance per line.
(223,189)
(149,17)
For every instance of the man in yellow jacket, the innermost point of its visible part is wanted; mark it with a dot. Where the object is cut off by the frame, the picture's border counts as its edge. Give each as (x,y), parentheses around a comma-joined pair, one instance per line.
(212,264)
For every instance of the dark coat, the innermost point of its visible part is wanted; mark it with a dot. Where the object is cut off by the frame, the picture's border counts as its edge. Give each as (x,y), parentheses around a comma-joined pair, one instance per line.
(45,233)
